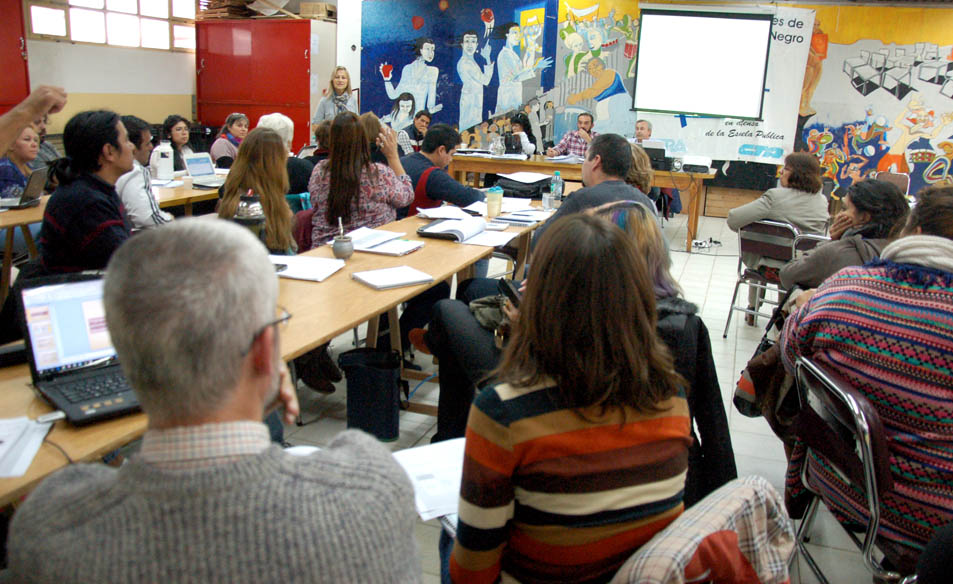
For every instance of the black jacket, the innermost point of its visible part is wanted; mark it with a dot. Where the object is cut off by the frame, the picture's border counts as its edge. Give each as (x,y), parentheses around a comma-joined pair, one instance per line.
(711,460)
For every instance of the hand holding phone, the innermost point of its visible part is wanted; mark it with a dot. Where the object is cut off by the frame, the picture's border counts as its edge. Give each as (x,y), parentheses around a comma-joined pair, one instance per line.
(509,289)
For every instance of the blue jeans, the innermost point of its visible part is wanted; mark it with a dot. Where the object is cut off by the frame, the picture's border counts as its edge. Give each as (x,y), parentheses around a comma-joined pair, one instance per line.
(446,548)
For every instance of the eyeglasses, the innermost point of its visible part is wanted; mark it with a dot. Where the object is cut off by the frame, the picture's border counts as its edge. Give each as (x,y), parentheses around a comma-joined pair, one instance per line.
(283,317)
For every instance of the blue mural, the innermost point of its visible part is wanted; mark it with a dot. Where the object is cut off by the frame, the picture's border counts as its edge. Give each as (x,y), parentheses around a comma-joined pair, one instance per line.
(464,62)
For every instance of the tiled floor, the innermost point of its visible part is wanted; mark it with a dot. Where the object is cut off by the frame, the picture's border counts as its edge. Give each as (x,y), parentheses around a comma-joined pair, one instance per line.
(708,278)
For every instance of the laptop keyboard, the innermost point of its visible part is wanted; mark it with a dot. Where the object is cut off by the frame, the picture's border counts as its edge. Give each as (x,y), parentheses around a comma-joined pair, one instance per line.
(98,387)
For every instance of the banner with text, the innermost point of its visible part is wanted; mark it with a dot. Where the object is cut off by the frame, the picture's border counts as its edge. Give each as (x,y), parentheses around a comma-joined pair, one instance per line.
(768,140)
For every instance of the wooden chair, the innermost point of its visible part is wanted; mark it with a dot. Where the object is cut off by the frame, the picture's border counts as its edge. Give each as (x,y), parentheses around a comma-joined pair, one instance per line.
(839,424)
(769,239)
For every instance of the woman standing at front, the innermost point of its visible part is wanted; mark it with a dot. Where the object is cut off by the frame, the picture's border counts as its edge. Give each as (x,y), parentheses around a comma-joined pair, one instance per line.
(579,455)
(339,98)
(349,186)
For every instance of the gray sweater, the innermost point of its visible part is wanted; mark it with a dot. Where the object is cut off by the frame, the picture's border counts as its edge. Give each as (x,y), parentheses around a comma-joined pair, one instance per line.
(343,514)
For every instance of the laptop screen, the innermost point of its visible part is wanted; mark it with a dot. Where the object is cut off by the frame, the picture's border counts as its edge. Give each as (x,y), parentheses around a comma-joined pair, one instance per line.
(67,325)
(199,165)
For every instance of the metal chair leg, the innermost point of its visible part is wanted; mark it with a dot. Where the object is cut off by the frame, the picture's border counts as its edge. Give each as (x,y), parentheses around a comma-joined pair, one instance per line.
(731,312)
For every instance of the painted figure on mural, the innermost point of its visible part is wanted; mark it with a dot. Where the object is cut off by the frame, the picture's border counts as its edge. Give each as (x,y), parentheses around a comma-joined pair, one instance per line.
(474,80)
(939,169)
(578,52)
(613,110)
(531,33)
(417,78)
(402,114)
(511,72)
(913,123)
(812,72)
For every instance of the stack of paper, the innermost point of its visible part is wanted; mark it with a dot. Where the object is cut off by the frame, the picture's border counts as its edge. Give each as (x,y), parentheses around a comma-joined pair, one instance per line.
(306,267)
(392,277)
(20,438)
(527,178)
(382,242)
(444,212)
(510,204)
(567,158)
(435,471)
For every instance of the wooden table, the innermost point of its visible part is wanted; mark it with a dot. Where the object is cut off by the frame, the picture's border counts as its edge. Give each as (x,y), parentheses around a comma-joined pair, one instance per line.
(689,182)
(321,311)
(88,443)
(327,309)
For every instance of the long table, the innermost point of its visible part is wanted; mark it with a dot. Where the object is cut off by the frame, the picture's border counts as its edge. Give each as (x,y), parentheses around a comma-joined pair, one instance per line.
(690,182)
(22,218)
(321,312)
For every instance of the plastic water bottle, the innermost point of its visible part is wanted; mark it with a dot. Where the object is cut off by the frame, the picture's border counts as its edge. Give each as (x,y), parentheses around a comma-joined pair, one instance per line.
(161,161)
(556,190)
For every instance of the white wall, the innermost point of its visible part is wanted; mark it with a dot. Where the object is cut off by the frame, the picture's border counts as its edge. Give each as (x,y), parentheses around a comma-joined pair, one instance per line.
(95,69)
(349,33)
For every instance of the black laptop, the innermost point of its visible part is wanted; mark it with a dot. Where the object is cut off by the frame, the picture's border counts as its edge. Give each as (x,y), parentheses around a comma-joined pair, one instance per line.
(72,360)
(31,192)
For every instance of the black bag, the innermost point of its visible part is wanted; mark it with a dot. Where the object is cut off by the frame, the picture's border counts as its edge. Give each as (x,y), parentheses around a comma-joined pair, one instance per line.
(512,188)
(373,391)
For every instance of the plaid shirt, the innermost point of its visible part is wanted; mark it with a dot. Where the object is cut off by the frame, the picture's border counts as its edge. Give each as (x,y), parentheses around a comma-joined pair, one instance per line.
(573,144)
(194,447)
(740,529)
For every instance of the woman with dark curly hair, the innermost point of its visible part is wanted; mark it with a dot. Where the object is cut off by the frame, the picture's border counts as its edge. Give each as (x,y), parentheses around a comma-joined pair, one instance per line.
(873,211)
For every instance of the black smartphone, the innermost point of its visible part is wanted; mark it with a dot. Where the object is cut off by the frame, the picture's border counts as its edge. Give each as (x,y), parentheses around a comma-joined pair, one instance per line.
(511,290)
(281,267)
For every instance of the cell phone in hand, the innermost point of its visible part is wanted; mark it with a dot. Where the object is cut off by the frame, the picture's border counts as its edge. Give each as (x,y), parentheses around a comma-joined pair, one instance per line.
(509,289)
(281,267)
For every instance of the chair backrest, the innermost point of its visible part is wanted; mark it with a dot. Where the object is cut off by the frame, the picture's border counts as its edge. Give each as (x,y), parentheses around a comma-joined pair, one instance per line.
(298,201)
(901,180)
(302,229)
(768,239)
(808,241)
(878,60)
(840,424)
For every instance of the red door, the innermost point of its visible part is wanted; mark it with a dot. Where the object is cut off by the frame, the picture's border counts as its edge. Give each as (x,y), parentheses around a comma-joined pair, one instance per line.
(254,67)
(16,81)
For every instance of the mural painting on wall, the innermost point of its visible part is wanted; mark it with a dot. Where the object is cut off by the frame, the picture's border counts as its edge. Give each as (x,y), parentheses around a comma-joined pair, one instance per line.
(475,65)
(471,65)
(880,100)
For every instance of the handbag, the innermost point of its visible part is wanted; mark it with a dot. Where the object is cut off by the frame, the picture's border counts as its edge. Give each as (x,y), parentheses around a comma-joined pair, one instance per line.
(488,311)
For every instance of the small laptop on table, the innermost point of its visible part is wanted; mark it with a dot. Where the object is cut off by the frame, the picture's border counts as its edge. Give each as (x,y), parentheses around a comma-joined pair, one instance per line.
(202,171)
(72,359)
(31,192)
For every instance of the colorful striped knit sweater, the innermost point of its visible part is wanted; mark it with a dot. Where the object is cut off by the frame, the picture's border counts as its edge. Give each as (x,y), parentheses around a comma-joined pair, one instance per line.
(552,496)
(888,330)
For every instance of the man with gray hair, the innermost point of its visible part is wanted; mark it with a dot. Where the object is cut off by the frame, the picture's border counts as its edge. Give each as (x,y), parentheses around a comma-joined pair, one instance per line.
(643,130)
(191,309)
(299,169)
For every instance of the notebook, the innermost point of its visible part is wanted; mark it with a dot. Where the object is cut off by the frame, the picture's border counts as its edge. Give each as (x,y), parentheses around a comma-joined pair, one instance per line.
(31,193)
(202,170)
(72,361)
(392,277)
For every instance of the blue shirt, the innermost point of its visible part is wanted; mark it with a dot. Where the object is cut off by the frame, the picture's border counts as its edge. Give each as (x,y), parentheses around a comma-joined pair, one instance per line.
(12,181)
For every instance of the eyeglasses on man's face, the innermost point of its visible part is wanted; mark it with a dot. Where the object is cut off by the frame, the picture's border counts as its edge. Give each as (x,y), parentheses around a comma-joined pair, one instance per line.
(283,317)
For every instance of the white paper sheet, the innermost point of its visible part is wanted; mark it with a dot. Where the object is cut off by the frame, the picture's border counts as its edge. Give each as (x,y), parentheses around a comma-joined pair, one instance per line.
(21,439)
(307,268)
(435,471)
(490,238)
(364,237)
(527,177)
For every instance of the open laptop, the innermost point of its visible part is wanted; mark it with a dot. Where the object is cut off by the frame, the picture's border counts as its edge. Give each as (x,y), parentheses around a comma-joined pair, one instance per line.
(202,170)
(31,193)
(72,360)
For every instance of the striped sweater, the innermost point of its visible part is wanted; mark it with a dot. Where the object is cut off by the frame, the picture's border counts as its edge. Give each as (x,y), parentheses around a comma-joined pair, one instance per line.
(552,496)
(888,330)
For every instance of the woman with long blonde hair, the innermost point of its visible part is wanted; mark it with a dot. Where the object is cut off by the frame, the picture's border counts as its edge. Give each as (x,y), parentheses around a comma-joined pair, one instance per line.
(261,167)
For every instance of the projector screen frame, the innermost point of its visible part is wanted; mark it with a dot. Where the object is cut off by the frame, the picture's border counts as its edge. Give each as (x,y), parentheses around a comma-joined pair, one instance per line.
(752,13)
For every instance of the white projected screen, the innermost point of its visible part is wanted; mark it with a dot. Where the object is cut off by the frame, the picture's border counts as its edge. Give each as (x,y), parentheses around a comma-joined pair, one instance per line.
(702,63)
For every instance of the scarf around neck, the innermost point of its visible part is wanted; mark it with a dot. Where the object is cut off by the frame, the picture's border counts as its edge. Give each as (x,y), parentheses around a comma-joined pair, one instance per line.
(340,102)
(233,139)
(929,251)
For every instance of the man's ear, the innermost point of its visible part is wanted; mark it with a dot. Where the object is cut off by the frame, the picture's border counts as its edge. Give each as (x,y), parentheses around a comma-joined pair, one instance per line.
(262,352)
(107,154)
(596,161)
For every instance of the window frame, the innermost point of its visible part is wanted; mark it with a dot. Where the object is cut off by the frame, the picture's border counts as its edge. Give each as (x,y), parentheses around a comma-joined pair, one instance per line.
(65,6)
